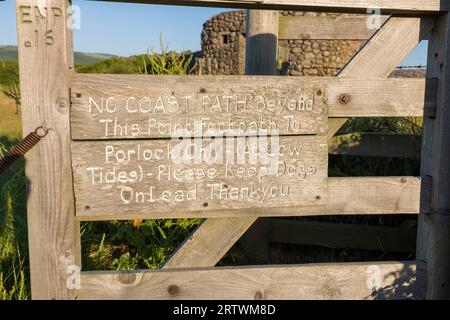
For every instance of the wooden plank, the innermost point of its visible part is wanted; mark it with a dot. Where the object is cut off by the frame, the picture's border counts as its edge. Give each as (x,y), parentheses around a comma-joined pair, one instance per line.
(114,106)
(380,97)
(326,28)
(134,177)
(394,41)
(53,233)
(376,145)
(341,235)
(434,229)
(358,6)
(408,38)
(259,103)
(195,252)
(345,281)
(345,196)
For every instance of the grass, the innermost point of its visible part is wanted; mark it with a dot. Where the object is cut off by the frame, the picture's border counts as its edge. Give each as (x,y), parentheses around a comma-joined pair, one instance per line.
(112,66)
(14,282)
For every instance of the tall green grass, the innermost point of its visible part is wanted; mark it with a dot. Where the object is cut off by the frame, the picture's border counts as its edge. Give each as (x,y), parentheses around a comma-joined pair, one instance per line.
(14,283)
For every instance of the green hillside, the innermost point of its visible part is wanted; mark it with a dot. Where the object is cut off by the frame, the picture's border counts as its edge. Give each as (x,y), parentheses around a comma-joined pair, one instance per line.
(9,53)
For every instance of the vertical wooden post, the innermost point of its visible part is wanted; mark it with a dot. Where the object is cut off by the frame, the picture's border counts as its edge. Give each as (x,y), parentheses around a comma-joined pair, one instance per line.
(260,59)
(262,42)
(433,243)
(45,61)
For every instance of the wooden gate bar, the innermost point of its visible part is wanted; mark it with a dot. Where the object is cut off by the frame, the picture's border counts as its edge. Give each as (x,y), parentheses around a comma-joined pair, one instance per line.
(376,144)
(382,54)
(108,106)
(45,50)
(150,181)
(403,31)
(346,281)
(326,28)
(341,235)
(358,6)
(345,196)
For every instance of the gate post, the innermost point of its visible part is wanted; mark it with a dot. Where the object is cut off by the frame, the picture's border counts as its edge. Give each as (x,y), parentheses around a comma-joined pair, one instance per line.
(45,61)
(433,243)
(262,42)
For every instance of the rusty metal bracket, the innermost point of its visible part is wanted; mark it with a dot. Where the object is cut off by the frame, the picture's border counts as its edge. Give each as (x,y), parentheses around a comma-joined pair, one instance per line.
(23,147)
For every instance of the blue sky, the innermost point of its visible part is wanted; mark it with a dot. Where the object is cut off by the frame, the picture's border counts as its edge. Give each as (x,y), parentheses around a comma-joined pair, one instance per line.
(127,29)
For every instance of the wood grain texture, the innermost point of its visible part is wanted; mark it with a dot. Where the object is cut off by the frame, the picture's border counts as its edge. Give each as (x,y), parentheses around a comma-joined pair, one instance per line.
(195,252)
(409,37)
(346,196)
(150,180)
(376,145)
(326,28)
(228,105)
(381,97)
(434,229)
(269,100)
(384,52)
(346,281)
(388,47)
(359,6)
(53,233)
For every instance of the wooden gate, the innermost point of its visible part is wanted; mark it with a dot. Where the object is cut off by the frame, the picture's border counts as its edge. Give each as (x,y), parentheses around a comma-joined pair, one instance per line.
(109,157)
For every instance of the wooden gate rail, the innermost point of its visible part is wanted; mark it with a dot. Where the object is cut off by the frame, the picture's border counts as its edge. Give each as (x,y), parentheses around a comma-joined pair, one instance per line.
(350,6)
(325,28)
(376,144)
(49,89)
(306,282)
(345,196)
(365,97)
(330,235)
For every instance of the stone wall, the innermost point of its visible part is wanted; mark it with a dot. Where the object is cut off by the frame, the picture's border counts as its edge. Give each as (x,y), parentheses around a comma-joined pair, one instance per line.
(223,48)
(223,43)
(318,57)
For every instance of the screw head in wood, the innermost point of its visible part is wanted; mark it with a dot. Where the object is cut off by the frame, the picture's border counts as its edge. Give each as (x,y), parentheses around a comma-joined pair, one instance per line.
(258,295)
(344,98)
(173,289)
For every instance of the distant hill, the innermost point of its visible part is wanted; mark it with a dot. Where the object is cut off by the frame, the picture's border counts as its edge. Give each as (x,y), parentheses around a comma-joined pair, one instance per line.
(9,53)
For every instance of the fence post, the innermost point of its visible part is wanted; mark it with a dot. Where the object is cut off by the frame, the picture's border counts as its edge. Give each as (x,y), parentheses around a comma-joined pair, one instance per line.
(46,60)
(262,42)
(433,243)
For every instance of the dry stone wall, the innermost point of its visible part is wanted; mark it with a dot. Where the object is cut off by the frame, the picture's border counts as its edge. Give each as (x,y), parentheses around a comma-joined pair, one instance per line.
(223,43)
(223,48)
